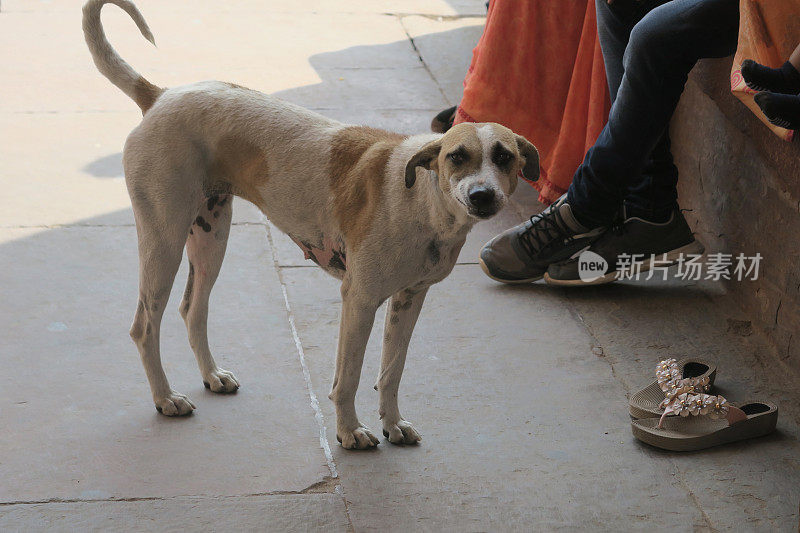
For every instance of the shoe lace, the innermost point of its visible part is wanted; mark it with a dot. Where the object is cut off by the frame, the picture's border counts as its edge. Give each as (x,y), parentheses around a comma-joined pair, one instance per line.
(545,228)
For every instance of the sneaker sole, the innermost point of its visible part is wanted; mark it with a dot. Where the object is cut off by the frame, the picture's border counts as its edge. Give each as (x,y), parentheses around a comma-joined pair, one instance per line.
(506,281)
(694,247)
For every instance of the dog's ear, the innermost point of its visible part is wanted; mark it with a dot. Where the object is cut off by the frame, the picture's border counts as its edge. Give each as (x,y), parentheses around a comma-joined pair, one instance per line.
(425,157)
(531,169)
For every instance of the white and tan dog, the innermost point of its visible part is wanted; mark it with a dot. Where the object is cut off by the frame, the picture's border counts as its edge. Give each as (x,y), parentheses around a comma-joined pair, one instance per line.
(385,213)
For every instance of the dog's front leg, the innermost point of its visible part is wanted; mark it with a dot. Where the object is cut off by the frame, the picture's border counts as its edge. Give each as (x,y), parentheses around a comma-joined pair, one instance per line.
(401,317)
(358,315)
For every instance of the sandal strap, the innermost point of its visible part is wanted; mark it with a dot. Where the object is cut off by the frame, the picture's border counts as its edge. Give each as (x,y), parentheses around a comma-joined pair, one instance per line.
(701,404)
(735,415)
(667,370)
(670,378)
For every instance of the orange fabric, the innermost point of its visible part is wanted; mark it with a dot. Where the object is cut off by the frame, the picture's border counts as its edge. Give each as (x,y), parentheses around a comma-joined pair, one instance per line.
(538,70)
(769,31)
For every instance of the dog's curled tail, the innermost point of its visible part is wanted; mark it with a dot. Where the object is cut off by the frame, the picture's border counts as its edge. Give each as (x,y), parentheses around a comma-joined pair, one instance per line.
(108,62)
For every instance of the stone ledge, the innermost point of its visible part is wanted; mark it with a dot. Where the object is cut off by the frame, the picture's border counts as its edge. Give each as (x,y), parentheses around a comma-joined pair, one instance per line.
(739,184)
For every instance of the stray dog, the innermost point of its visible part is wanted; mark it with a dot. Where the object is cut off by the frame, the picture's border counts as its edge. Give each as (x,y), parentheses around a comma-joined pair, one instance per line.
(387,214)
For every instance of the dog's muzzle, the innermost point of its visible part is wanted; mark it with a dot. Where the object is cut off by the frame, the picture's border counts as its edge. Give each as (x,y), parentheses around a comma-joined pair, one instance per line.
(482,202)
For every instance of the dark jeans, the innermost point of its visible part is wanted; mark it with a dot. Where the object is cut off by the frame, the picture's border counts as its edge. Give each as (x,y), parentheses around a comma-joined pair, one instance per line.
(649,47)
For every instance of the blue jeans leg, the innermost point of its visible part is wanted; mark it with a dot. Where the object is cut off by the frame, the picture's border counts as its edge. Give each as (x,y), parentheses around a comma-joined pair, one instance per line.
(631,160)
(660,175)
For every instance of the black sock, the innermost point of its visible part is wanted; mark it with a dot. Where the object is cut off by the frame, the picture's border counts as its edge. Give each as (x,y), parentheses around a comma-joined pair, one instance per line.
(785,80)
(781,109)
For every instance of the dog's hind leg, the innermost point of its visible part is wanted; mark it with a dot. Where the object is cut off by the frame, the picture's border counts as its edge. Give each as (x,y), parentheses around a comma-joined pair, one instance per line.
(160,253)
(164,201)
(205,247)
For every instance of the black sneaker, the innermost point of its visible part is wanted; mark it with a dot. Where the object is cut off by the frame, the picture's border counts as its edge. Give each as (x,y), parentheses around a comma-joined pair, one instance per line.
(635,240)
(444,120)
(523,253)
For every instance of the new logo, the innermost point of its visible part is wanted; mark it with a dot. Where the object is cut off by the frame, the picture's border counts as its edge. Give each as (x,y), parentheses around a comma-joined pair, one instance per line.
(591,266)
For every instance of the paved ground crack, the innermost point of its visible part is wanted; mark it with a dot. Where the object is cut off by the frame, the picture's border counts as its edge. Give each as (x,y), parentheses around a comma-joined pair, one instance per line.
(693,497)
(328,482)
(323,439)
(422,60)
(607,357)
(328,485)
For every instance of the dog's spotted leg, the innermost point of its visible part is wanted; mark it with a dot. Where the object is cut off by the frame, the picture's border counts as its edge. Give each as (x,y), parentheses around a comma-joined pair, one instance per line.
(205,247)
(358,315)
(160,253)
(401,317)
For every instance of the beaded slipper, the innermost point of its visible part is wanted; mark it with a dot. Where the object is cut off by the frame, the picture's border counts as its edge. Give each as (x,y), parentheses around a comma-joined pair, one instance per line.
(671,374)
(704,421)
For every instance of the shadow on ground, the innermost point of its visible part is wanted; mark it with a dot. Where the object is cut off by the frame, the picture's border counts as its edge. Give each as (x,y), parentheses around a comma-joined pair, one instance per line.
(109,166)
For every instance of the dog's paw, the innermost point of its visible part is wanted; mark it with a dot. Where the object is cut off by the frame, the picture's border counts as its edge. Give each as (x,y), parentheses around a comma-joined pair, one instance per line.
(401,433)
(175,404)
(220,380)
(360,438)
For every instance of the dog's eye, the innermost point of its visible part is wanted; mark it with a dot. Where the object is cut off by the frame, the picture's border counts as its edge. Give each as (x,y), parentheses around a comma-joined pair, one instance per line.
(502,158)
(456,157)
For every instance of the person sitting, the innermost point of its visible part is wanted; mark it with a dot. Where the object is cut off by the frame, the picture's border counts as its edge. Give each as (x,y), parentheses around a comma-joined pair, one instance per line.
(627,179)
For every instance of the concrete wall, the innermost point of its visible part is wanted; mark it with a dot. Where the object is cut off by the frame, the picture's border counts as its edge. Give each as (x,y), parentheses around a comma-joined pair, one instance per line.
(740,183)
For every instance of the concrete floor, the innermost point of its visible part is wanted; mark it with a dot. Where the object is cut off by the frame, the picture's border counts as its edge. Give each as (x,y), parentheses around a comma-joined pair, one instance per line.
(520,392)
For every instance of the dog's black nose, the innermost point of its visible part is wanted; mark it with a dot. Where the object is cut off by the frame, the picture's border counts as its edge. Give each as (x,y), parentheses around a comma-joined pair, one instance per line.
(481,197)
